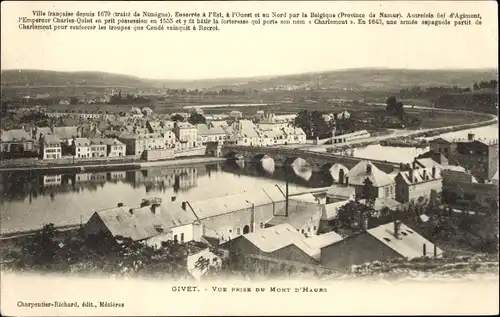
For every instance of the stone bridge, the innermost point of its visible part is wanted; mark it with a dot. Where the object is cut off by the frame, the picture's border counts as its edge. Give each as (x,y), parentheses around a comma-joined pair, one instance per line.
(288,156)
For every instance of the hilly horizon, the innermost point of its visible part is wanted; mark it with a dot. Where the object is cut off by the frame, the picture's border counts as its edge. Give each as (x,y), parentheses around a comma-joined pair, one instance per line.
(356,79)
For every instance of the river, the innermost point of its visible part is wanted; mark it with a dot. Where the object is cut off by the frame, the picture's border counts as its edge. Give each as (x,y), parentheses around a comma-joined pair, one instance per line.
(30,200)
(406,154)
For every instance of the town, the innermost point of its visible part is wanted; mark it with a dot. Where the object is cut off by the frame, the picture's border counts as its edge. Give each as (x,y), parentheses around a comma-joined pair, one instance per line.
(371,210)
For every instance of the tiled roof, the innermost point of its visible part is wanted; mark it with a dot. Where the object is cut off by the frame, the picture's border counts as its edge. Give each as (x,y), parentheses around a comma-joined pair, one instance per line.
(203,129)
(226,204)
(14,135)
(323,240)
(82,142)
(420,175)
(220,123)
(246,129)
(61,132)
(271,239)
(299,213)
(331,210)
(359,173)
(51,139)
(341,191)
(409,246)
(142,223)
(185,125)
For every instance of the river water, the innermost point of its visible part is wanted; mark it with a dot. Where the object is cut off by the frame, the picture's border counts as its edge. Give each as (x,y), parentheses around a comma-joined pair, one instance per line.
(406,154)
(30,200)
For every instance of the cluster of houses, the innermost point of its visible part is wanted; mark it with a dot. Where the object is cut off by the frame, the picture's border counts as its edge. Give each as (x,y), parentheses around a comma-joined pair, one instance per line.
(270,230)
(140,134)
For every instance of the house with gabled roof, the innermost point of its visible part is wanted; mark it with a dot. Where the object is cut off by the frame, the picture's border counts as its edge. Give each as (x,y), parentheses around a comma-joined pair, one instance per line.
(152,223)
(393,240)
(418,184)
(15,140)
(383,184)
(281,242)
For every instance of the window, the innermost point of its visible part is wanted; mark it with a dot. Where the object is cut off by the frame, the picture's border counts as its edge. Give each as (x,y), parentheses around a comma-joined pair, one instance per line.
(309,229)
(314,228)
(238,231)
(182,237)
(175,238)
(302,230)
(261,225)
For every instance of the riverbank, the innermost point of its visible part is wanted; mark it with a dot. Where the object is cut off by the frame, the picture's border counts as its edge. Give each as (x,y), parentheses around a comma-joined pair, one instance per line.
(110,166)
(405,142)
(418,133)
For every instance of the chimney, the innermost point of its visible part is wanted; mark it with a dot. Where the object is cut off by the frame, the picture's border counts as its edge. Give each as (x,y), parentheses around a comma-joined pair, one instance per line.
(470,136)
(433,172)
(347,181)
(252,219)
(368,168)
(120,204)
(424,249)
(183,205)
(397,229)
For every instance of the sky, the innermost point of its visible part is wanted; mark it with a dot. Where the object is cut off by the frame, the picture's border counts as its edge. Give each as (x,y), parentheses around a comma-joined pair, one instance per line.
(251,50)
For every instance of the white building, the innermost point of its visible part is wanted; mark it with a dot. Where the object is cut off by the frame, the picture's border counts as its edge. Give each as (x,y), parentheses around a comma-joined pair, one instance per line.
(151,224)
(98,148)
(51,147)
(137,143)
(82,148)
(115,148)
(211,134)
(245,133)
(187,134)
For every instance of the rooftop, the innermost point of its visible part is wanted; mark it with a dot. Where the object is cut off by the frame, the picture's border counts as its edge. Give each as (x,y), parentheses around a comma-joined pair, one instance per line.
(323,240)
(420,175)
(230,203)
(14,135)
(142,223)
(410,244)
(366,169)
(271,239)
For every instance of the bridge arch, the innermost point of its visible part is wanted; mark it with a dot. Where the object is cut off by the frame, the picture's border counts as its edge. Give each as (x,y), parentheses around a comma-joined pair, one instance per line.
(259,157)
(231,155)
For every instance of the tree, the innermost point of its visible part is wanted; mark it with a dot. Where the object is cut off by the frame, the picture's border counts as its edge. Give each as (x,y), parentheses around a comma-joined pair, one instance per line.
(202,264)
(351,214)
(391,104)
(303,121)
(41,249)
(394,107)
(368,192)
(177,118)
(197,118)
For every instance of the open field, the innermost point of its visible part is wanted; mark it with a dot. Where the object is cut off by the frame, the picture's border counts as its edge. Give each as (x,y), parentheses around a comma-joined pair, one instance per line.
(430,118)
(356,79)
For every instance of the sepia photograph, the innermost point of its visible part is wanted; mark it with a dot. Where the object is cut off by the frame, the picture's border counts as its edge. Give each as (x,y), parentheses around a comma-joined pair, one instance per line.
(249,158)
